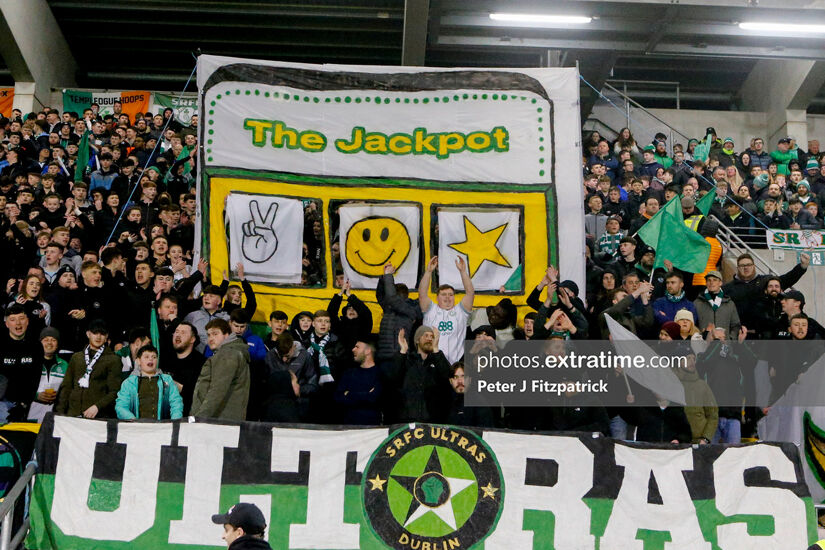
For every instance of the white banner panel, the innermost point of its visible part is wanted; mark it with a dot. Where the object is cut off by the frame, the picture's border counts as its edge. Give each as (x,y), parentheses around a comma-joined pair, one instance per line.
(266,234)
(487,239)
(372,236)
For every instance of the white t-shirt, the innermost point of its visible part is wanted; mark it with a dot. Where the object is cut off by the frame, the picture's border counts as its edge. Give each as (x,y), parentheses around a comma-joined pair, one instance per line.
(451,325)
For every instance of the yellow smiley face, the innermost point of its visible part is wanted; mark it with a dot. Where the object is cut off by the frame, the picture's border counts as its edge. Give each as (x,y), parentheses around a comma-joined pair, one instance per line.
(375,242)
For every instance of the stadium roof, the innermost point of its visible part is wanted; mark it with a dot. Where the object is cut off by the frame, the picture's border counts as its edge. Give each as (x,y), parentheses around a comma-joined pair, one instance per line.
(654,44)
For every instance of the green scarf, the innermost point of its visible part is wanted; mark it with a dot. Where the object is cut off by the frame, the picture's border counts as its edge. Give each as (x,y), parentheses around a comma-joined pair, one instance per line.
(676,299)
(716,302)
(317,345)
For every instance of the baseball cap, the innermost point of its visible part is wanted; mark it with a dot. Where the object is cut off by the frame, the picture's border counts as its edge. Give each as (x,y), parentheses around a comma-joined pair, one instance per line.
(728,140)
(213,289)
(648,250)
(244,515)
(714,273)
(784,140)
(793,295)
(650,148)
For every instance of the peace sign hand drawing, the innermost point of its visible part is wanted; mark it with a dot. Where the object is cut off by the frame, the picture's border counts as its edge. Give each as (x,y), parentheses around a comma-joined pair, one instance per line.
(259,240)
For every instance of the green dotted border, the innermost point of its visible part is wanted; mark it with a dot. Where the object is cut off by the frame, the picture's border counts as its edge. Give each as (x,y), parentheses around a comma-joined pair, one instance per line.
(378,100)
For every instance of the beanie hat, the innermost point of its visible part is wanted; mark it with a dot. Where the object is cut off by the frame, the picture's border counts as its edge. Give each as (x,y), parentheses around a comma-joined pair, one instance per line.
(571,286)
(50,331)
(485,329)
(761,181)
(672,330)
(683,314)
(419,332)
(805,184)
(812,164)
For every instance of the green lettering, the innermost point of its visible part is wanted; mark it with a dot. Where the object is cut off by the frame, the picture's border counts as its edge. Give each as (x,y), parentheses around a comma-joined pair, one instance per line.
(501,137)
(313,141)
(422,141)
(259,128)
(355,144)
(281,132)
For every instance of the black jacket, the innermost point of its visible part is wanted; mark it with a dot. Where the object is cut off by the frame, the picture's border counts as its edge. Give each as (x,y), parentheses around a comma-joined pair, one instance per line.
(417,386)
(745,293)
(249,543)
(20,362)
(349,331)
(398,313)
(655,425)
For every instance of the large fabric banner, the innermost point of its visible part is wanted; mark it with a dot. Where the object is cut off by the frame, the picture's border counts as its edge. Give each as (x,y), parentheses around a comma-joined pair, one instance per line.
(132,101)
(478,164)
(802,426)
(6,101)
(183,106)
(125,485)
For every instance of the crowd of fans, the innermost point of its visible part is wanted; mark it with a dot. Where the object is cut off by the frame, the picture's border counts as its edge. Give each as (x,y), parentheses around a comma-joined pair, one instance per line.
(91,249)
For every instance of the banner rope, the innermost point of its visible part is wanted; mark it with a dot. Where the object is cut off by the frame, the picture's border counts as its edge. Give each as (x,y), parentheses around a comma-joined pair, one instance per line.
(152,155)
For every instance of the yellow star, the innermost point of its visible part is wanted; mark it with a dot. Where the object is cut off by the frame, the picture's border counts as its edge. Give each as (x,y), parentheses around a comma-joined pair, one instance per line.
(377,483)
(480,246)
(489,491)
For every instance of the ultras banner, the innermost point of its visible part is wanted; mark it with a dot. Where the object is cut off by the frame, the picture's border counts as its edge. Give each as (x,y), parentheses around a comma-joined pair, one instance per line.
(125,485)
(395,165)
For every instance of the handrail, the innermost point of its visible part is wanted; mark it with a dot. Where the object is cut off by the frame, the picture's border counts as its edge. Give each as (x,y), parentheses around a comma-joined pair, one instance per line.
(639,106)
(741,246)
(598,121)
(7,542)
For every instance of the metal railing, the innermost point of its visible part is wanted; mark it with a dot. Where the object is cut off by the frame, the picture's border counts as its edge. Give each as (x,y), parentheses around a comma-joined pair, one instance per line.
(733,242)
(642,123)
(7,540)
(665,83)
(604,129)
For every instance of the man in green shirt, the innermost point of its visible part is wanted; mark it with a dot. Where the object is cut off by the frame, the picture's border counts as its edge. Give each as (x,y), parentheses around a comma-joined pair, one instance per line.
(783,155)
(660,155)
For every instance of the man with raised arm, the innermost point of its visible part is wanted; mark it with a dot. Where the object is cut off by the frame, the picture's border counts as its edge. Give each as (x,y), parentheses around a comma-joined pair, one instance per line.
(449,319)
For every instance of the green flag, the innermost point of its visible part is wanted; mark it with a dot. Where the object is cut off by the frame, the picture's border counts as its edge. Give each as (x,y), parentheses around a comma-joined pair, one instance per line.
(649,232)
(685,248)
(672,240)
(702,149)
(82,157)
(706,202)
(154,332)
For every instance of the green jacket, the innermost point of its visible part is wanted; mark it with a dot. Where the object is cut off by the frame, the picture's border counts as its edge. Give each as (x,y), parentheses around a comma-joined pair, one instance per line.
(703,417)
(664,160)
(222,389)
(104,382)
(170,403)
(782,159)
